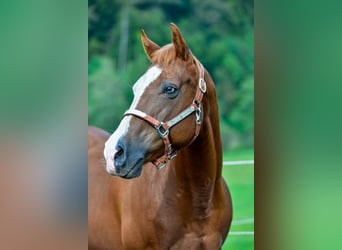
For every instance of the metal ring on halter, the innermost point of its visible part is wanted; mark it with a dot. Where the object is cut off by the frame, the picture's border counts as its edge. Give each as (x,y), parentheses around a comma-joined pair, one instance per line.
(202,85)
(162,131)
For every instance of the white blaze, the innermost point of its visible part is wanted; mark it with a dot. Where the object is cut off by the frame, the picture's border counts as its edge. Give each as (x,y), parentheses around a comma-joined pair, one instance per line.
(138,89)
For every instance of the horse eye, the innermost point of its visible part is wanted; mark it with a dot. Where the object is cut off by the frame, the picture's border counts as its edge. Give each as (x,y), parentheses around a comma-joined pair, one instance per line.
(171,91)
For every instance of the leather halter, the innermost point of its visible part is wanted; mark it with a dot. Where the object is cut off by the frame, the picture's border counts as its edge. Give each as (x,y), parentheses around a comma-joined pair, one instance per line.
(163,128)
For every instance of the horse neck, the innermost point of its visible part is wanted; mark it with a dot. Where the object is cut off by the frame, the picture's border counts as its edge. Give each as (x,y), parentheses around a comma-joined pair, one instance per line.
(198,167)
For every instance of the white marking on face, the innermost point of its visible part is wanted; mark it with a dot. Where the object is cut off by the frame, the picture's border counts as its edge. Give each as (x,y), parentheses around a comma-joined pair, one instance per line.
(138,89)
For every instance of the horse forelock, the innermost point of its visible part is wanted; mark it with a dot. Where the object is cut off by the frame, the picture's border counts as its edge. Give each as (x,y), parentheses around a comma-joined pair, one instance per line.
(165,56)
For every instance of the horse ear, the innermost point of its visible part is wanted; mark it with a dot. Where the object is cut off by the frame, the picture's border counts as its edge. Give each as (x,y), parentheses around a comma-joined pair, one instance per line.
(179,43)
(148,45)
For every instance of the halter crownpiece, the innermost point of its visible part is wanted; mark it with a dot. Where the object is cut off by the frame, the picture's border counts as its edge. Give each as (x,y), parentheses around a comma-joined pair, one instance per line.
(163,128)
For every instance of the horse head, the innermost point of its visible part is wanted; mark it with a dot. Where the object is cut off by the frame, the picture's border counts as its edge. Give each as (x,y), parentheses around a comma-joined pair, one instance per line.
(166,111)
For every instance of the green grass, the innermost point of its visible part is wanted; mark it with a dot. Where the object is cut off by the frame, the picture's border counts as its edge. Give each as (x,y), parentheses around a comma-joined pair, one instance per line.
(238,154)
(240,180)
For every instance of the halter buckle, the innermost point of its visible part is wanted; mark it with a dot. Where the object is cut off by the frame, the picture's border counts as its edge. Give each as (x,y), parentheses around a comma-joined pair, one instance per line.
(161,166)
(162,131)
(173,155)
(198,114)
(167,157)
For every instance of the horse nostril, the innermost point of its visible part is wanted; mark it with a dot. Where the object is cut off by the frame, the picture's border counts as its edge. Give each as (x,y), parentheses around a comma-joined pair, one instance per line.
(120,155)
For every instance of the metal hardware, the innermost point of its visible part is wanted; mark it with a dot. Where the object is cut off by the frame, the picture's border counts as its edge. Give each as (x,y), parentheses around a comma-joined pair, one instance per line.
(173,155)
(161,166)
(162,131)
(202,85)
(198,115)
(170,156)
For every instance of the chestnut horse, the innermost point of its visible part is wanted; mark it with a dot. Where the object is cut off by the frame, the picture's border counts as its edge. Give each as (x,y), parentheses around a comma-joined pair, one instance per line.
(175,202)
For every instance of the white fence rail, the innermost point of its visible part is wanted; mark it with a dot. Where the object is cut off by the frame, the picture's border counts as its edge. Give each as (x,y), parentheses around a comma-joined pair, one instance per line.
(236,163)
(247,220)
(242,233)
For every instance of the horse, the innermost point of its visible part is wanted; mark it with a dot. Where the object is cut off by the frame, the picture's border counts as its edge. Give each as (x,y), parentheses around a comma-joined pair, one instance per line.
(156,182)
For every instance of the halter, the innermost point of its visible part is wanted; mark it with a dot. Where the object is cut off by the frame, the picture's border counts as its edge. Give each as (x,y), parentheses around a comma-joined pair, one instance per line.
(163,128)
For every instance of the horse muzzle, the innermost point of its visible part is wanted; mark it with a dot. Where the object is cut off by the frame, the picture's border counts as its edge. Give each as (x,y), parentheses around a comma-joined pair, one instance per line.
(127,161)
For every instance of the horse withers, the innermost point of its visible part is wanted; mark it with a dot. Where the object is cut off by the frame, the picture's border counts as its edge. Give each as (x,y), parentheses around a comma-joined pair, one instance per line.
(159,185)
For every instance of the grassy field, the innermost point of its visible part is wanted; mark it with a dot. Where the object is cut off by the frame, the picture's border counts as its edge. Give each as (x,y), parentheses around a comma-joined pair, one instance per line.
(240,179)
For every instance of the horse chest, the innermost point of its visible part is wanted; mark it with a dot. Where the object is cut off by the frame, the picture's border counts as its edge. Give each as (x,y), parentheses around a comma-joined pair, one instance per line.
(174,236)
(164,225)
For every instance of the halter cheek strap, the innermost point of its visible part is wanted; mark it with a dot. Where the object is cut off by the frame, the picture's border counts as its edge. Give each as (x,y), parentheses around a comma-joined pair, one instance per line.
(163,128)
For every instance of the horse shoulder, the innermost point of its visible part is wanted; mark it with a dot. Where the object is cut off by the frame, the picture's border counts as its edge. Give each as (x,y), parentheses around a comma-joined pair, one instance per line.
(140,205)
(216,229)
(103,226)
(223,214)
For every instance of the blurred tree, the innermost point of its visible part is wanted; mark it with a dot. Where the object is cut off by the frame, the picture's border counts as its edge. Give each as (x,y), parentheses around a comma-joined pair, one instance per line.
(102,16)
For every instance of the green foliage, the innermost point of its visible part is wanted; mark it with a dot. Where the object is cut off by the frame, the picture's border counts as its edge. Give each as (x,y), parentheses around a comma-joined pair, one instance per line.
(220,34)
